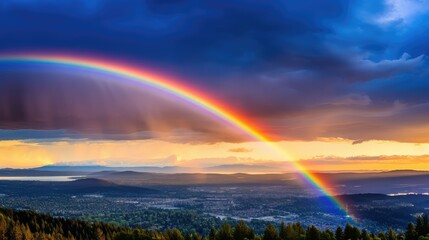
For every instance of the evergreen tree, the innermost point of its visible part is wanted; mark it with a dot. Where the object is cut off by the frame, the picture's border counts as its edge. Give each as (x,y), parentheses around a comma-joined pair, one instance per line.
(339,235)
(283,234)
(299,229)
(251,234)
(425,229)
(224,233)
(196,236)
(241,231)
(419,225)
(400,235)
(365,235)
(99,235)
(348,232)
(290,232)
(212,233)
(391,235)
(411,233)
(174,234)
(312,233)
(327,235)
(3,226)
(381,236)
(26,225)
(270,233)
(355,233)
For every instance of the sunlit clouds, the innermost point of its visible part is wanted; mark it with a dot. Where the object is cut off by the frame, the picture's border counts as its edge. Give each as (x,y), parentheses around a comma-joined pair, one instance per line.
(332,155)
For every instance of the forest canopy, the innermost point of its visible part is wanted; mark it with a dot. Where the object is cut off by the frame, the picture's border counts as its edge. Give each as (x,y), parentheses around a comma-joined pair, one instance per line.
(24,225)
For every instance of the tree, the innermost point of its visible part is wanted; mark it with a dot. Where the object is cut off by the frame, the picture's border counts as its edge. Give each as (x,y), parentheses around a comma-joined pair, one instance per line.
(26,225)
(224,233)
(212,233)
(99,235)
(26,233)
(241,231)
(355,233)
(419,225)
(14,232)
(400,235)
(348,232)
(312,233)
(327,235)
(298,229)
(174,234)
(365,235)
(283,233)
(391,235)
(339,235)
(411,233)
(270,233)
(381,236)
(123,236)
(251,234)
(291,231)
(425,229)
(3,226)
(196,236)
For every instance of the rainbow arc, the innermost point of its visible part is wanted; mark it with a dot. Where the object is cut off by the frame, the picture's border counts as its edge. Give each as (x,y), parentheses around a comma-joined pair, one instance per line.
(185,92)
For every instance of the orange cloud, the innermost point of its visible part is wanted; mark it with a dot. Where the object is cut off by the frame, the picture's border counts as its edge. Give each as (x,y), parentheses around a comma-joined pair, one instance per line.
(326,155)
(240,150)
(368,163)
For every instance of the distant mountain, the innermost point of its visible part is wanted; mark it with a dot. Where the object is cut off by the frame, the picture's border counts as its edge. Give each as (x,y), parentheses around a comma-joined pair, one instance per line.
(226,168)
(389,182)
(90,182)
(237,168)
(88,186)
(9,172)
(146,178)
(98,168)
(66,170)
(99,186)
(90,168)
(347,183)
(392,182)
(404,172)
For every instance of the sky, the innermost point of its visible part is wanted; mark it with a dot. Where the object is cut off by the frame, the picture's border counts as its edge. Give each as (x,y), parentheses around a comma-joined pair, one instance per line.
(338,85)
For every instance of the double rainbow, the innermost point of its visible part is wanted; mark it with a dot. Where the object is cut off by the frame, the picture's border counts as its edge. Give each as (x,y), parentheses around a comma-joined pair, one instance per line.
(190,94)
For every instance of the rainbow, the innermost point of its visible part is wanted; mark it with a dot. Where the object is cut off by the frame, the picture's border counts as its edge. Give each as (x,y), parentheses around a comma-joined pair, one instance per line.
(187,93)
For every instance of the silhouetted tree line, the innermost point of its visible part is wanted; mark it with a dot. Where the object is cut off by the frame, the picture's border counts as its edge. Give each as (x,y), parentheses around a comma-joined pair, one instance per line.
(23,225)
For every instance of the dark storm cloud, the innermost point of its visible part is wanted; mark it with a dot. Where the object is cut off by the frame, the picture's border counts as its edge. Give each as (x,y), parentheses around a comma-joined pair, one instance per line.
(38,103)
(306,69)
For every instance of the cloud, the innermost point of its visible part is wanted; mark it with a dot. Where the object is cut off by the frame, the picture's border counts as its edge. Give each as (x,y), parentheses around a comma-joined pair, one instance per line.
(302,70)
(240,150)
(357,142)
(367,163)
(407,160)
(62,104)
(402,11)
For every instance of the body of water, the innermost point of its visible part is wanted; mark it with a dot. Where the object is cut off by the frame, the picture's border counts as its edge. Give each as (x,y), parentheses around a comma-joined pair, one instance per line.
(40,178)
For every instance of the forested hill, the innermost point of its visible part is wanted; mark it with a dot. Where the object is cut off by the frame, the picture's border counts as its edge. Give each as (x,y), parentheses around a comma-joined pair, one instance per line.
(23,225)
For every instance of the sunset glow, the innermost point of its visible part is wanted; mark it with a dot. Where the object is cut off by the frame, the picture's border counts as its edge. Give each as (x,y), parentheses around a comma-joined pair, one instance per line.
(311,103)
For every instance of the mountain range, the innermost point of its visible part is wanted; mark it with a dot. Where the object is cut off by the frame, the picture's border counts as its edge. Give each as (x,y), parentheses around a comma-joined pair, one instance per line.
(391,182)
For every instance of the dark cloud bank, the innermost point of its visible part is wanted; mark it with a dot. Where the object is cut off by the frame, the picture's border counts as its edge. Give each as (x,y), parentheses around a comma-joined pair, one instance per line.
(304,69)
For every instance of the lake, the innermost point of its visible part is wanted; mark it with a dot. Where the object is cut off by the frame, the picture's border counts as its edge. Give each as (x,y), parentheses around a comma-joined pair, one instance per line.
(40,178)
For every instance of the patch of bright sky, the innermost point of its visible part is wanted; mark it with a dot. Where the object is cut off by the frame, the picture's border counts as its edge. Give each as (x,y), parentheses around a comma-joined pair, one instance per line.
(160,153)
